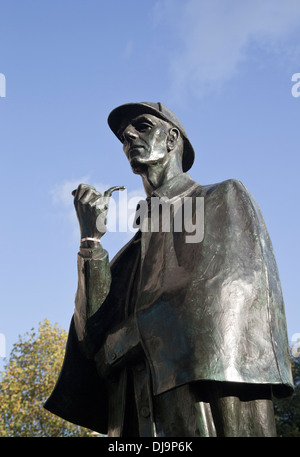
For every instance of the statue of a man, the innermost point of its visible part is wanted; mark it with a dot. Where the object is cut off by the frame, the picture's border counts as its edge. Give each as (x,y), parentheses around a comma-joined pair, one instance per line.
(177,336)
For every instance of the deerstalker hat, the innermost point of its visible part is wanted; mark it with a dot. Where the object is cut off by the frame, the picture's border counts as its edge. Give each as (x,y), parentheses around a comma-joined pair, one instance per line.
(119,118)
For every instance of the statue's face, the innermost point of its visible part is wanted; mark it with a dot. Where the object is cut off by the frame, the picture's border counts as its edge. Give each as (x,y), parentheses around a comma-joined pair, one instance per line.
(145,141)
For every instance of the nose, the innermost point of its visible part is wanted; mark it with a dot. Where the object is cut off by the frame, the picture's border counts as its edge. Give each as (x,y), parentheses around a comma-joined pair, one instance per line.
(130,133)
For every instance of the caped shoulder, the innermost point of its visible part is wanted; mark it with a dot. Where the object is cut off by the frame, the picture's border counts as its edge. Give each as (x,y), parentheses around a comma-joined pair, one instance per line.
(224,186)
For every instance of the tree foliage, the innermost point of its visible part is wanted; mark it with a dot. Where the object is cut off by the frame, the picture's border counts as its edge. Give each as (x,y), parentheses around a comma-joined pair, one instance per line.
(27,381)
(287,410)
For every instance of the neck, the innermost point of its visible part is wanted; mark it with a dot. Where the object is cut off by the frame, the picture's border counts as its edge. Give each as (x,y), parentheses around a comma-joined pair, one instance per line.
(156,175)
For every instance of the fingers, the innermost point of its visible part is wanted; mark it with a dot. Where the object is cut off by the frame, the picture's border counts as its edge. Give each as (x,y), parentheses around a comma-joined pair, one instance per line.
(84,187)
(100,202)
(85,192)
(88,194)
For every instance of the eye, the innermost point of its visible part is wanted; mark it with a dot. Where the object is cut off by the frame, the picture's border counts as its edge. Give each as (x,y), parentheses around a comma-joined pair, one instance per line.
(143,126)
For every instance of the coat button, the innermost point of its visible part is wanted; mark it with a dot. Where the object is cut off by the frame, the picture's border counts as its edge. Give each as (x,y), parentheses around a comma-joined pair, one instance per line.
(145,411)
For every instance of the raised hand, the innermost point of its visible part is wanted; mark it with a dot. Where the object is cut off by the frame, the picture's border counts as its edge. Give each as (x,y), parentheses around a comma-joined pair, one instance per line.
(91,209)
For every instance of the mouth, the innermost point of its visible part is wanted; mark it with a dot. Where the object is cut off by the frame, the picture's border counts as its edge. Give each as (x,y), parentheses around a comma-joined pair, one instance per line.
(134,151)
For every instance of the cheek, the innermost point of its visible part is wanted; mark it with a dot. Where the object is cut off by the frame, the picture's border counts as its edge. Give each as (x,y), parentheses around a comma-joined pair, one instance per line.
(160,142)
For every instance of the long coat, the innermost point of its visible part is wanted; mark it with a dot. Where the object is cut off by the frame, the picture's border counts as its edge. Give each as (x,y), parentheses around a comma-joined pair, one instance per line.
(211,310)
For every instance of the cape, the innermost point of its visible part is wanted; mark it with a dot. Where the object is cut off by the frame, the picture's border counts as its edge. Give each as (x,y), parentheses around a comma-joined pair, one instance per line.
(211,310)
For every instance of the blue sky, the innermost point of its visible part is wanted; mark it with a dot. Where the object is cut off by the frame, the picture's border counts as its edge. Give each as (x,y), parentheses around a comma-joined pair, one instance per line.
(225,68)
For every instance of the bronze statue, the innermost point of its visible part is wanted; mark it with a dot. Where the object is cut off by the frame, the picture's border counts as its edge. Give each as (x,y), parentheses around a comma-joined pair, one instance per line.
(174,338)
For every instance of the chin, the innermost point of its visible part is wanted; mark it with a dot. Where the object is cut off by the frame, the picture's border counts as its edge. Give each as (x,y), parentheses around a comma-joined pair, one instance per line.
(136,166)
(138,170)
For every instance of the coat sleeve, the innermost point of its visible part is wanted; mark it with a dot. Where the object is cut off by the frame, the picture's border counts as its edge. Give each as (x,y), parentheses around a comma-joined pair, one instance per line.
(94,280)
(80,394)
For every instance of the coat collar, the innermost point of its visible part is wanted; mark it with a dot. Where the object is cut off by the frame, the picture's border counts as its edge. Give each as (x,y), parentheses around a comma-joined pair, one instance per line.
(177,187)
(180,186)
